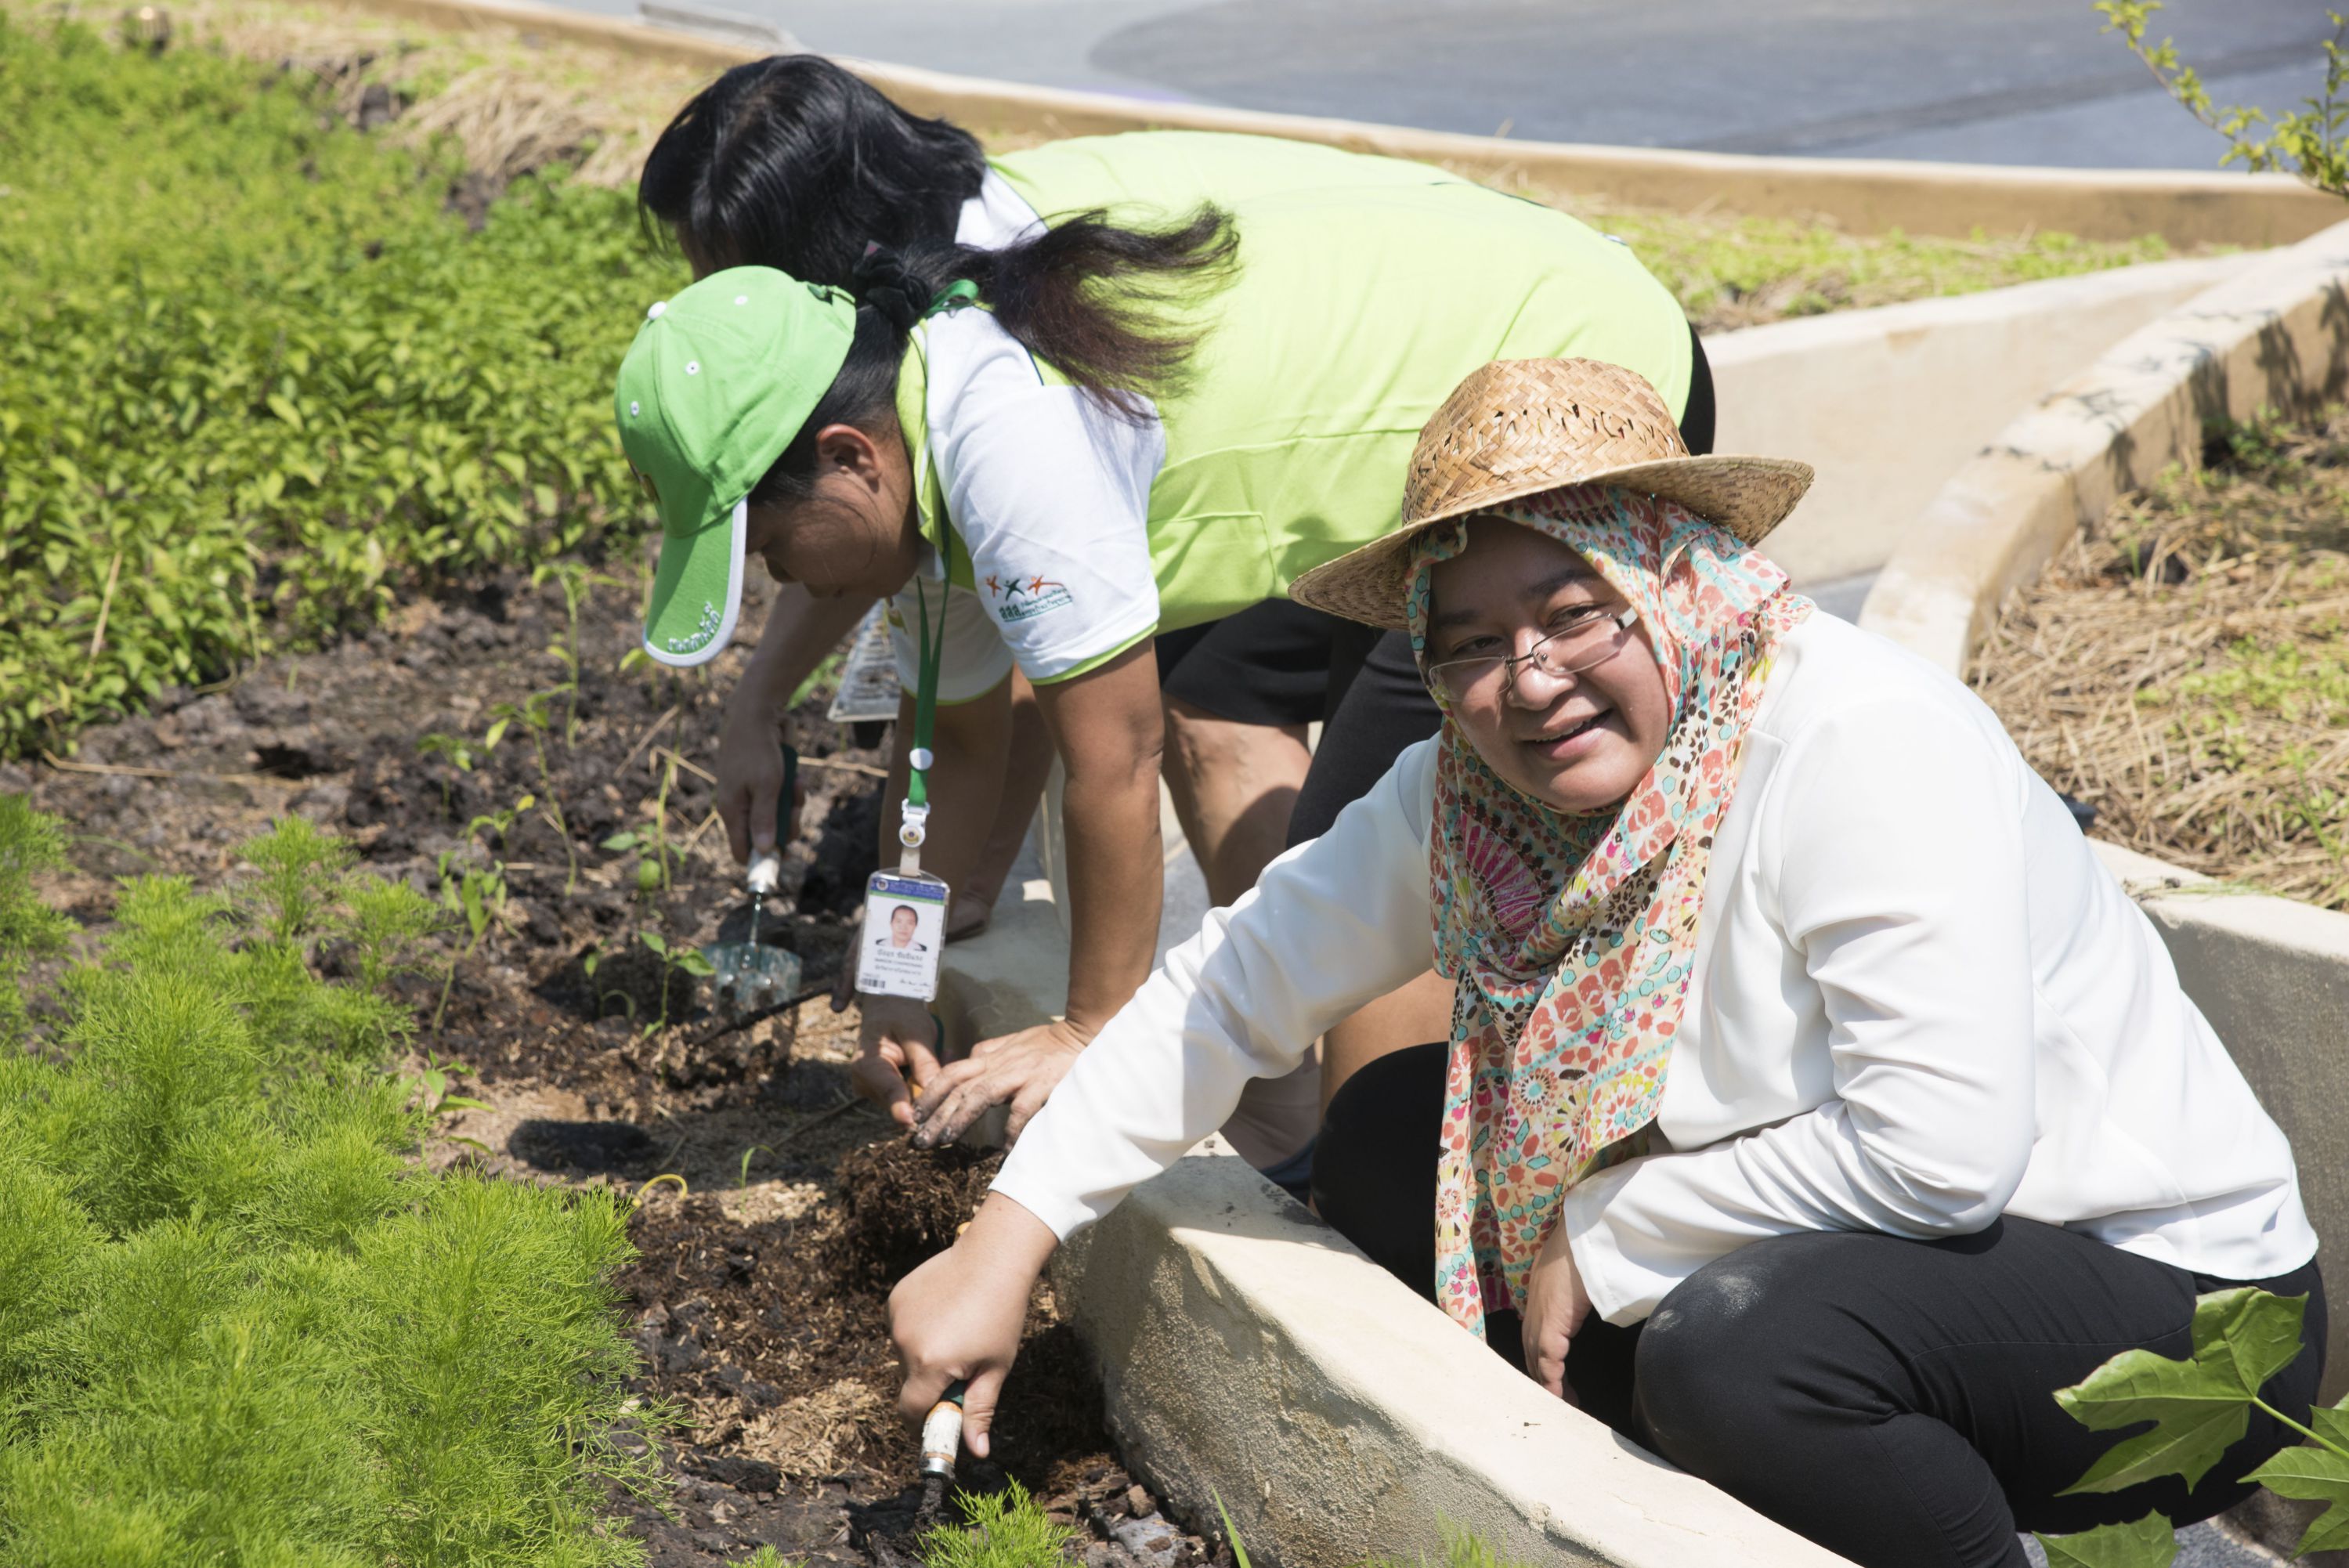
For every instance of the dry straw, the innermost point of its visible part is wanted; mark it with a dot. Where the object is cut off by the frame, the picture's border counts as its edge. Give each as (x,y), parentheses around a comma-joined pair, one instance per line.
(2183,666)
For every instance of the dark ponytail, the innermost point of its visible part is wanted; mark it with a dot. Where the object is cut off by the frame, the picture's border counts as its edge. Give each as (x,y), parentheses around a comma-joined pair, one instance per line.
(1074,295)
(794,163)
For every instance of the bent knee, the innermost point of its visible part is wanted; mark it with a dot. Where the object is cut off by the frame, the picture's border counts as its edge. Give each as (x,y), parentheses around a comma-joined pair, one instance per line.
(1723,1345)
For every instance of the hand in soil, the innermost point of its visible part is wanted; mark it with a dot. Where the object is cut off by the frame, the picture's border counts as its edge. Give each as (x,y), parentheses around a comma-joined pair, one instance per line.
(960,1315)
(898,1042)
(1019,1069)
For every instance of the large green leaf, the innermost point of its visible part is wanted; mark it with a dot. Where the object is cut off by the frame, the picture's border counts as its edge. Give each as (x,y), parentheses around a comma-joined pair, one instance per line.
(2199,1407)
(2147,1542)
(2315,1474)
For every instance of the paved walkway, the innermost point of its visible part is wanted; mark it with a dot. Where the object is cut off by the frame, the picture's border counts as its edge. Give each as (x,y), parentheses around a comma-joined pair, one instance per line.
(1991,81)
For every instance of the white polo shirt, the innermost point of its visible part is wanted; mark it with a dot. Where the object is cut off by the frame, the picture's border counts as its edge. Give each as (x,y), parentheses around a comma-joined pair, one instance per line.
(1048,490)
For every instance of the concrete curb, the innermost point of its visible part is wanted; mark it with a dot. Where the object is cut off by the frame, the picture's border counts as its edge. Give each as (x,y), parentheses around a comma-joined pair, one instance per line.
(2272,976)
(1886,403)
(1862,195)
(1251,1355)
(2276,335)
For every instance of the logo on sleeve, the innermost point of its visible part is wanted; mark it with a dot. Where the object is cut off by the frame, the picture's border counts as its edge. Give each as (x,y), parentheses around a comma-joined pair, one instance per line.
(1019,599)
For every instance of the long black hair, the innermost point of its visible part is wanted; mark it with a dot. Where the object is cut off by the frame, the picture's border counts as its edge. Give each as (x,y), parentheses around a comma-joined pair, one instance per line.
(794,163)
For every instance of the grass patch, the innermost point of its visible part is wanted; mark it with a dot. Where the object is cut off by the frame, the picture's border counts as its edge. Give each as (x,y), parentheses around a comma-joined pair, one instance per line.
(1732,272)
(237,1325)
(2184,666)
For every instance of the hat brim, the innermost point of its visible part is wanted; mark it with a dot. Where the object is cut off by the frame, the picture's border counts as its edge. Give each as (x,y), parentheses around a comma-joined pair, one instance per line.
(698,591)
(1747,496)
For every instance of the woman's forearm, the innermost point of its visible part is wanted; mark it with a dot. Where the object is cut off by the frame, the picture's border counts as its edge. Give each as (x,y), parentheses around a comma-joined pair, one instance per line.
(1110,729)
(801,630)
(1117,875)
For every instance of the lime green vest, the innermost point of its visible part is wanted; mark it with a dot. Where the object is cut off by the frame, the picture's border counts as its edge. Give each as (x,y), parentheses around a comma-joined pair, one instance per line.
(1366,289)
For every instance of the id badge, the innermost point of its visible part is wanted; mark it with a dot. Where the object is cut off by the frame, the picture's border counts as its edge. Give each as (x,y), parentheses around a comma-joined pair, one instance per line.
(905,929)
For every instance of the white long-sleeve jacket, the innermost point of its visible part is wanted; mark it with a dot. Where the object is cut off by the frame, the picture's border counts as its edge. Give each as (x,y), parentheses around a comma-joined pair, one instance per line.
(1919,1003)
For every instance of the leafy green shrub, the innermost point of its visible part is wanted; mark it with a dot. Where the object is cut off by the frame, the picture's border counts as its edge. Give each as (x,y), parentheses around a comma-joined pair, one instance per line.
(237,1325)
(2183,1417)
(258,379)
(2311,141)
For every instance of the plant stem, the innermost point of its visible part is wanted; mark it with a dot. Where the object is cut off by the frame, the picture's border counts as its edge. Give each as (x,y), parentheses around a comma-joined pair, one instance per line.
(2313,1436)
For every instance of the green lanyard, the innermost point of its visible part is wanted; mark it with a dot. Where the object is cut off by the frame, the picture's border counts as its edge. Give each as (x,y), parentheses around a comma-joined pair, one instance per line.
(925,699)
(915,811)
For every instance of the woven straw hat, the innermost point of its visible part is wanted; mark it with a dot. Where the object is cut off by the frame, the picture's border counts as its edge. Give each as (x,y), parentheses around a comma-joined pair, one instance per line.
(1519,426)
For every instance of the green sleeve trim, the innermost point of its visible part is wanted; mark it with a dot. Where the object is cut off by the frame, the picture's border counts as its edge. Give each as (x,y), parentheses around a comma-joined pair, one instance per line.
(1097,661)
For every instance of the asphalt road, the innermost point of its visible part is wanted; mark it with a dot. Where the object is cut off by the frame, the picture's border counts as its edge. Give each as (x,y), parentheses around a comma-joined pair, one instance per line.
(1989,81)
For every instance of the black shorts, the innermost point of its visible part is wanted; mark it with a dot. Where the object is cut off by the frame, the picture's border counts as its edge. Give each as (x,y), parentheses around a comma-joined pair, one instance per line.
(1279,663)
(1267,665)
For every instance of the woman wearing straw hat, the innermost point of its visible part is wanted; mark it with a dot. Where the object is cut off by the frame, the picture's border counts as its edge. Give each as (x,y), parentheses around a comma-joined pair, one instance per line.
(1814,1106)
(1192,368)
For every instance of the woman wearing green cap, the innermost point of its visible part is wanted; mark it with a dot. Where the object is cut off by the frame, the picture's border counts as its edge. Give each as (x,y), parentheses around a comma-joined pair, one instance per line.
(1194,371)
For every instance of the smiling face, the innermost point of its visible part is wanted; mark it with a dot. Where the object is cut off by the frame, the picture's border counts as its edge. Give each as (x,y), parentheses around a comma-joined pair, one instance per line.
(856,534)
(1580,742)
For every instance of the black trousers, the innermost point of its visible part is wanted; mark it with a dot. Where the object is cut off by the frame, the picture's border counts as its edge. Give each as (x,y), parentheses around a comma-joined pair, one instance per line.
(1891,1399)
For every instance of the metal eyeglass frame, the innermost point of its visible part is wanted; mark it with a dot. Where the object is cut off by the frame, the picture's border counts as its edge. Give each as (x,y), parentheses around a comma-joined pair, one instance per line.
(1512,665)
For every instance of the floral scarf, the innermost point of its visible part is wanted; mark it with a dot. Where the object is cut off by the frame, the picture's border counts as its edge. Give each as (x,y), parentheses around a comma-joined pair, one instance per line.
(1572,937)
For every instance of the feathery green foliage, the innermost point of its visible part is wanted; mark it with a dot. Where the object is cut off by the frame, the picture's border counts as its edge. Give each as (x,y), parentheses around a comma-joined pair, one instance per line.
(1000,1530)
(259,378)
(238,1327)
(30,844)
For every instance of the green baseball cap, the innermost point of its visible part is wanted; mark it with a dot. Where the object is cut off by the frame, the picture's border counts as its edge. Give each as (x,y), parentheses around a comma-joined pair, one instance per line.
(718,383)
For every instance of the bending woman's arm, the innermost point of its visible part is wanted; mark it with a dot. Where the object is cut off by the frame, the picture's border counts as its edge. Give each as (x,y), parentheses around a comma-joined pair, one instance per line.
(1894,845)
(1331,925)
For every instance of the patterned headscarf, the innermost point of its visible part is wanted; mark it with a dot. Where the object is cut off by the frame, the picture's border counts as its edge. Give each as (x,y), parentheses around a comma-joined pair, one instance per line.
(1572,937)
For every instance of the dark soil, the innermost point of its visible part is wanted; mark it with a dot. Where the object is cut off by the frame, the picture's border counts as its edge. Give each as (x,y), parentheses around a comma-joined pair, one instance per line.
(759,1296)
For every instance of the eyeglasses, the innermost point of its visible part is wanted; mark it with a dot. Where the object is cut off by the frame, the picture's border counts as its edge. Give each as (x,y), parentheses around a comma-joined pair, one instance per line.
(1595,635)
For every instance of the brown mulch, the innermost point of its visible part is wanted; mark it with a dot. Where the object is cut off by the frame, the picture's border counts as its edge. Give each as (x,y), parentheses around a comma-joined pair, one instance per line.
(758,1298)
(2183,666)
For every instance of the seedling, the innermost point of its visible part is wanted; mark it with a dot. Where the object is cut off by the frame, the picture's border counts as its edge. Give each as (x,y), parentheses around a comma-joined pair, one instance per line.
(480,896)
(588,964)
(535,713)
(434,1086)
(650,843)
(574,579)
(453,750)
(685,961)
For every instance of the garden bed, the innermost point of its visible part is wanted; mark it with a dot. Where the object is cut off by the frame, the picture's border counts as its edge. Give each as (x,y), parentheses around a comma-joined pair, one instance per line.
(2183,668)
(784,1208)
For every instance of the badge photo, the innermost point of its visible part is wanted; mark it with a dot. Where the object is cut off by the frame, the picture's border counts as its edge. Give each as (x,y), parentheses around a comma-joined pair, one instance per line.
(905,929)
